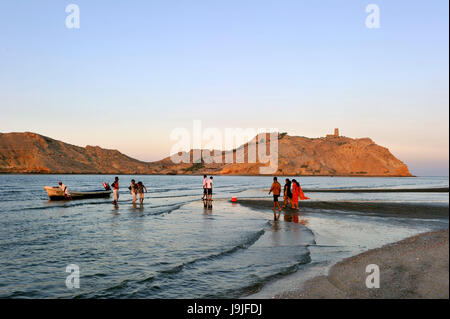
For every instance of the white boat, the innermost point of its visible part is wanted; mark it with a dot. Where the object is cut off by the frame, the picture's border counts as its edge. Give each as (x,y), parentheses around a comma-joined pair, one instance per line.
(56,193)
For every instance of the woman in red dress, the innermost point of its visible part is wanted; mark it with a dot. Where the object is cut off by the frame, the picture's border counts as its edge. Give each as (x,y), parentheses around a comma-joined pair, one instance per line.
(295,194)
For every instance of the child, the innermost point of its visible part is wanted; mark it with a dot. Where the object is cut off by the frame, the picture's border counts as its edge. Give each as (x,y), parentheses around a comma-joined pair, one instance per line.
(133,189)
(140,188)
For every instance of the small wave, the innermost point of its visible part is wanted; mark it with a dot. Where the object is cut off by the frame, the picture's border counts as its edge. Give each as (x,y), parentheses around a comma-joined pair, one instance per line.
(99,275)
(244,245)
(250,240)
(56,206)
(80,204)
(258,282)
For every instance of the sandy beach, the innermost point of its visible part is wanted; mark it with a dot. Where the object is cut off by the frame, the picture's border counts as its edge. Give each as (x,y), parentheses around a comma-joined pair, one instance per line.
(417,267)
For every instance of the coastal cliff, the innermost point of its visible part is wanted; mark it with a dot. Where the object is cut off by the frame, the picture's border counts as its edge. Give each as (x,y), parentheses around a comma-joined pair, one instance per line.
(327,156)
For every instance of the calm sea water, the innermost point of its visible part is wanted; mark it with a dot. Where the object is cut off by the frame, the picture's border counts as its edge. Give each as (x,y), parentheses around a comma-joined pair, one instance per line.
(172,247)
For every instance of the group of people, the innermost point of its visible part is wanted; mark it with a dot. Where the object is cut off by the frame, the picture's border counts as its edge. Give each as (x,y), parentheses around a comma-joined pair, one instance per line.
(207,188)
(292,192)
(135,189)
(291,195)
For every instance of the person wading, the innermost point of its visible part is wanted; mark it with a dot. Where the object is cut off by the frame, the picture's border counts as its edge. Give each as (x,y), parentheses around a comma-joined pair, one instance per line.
(275,189)
(115,186)
(209,188)
(133,189)
(205,190)
(287,194)
(140,188)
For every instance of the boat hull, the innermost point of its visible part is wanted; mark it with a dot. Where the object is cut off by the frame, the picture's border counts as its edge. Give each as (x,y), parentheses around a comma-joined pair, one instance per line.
(55,193)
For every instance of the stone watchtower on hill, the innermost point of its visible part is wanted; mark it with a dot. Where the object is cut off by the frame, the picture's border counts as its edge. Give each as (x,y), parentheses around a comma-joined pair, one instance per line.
(336,133)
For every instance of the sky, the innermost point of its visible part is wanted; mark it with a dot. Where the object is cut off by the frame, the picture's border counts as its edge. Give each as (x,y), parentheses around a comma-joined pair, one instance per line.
(136,70)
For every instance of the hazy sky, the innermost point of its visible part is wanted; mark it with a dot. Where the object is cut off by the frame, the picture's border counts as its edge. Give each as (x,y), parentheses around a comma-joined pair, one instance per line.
(135,70)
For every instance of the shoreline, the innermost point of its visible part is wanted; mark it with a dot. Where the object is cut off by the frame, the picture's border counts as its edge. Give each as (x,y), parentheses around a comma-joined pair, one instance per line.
(402,275)
(204,173)
(415,267)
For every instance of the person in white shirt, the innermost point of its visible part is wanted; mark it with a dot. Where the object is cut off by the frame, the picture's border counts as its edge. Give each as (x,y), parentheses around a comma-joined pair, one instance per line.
(205,192)
(65,190)
(133,189)
(209,185)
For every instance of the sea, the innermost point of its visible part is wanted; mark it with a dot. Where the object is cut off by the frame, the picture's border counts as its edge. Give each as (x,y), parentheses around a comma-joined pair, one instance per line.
(175,246)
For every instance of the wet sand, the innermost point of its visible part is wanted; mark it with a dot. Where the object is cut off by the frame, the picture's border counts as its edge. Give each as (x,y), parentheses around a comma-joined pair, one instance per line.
(411,210)
(417,267)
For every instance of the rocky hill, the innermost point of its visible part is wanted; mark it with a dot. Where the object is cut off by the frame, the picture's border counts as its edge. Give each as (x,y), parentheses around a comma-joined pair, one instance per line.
(331,155)
(33,153)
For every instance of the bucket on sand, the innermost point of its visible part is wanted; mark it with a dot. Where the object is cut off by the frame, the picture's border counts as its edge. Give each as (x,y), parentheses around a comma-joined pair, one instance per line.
(234,199)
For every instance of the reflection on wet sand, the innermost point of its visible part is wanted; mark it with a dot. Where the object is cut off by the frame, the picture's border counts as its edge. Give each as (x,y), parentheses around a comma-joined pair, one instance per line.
(207,204)
(295,218)
(138,208)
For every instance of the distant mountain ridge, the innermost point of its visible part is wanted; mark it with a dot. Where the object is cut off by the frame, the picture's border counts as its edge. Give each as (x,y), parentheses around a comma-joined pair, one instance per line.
(326,156)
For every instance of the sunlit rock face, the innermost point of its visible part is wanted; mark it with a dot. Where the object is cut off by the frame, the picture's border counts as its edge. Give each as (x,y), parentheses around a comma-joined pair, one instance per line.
(332,155)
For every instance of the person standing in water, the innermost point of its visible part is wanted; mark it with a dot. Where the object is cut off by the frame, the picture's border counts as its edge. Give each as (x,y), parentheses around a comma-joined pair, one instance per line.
(295,194)
(133,189)
(275,189)
(209,186)
(205,190)
(140,188)
(287,194)
(115,186)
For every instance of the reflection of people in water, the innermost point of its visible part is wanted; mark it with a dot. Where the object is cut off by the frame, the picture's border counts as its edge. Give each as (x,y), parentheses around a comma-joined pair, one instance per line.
(207,204)
(287,218)
(295,218)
